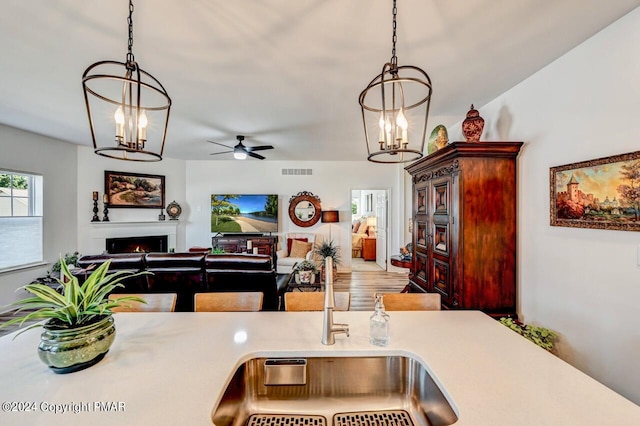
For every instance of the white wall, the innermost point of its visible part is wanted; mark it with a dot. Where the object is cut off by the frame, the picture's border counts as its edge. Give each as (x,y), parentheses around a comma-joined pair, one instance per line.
(91,168)
(331,181)
(583,283)
(56,161)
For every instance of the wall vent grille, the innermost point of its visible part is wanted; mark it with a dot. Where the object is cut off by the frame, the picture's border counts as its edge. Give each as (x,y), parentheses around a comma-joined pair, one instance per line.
(297,172)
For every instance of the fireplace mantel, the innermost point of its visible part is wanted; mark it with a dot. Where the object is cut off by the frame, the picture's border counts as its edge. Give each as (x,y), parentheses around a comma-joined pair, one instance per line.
(100,231)
(173,223)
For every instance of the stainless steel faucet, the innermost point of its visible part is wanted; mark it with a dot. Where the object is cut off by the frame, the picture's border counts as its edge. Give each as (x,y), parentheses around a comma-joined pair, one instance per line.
(329,328)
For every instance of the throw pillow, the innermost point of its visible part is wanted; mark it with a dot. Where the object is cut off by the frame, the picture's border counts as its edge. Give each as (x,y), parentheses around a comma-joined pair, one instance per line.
(355,227)
(300,248)
(363,228)
(290,240)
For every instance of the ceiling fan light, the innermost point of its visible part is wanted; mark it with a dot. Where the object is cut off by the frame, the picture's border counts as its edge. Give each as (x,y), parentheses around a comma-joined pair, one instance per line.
(238,155)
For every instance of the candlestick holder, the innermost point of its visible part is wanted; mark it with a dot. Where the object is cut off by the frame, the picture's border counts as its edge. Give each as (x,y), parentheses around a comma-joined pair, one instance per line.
(105,218)
(95,212)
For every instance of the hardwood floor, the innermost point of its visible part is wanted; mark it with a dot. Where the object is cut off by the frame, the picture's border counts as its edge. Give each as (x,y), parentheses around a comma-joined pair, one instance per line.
(362,286)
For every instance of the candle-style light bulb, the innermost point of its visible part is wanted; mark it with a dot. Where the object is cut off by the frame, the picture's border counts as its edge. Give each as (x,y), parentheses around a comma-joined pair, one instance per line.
(402,123)
(142,126)
(119,119)
(381,124)
(387,128)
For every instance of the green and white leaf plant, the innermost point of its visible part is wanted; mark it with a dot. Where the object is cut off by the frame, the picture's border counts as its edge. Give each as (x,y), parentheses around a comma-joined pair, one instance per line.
(76,304)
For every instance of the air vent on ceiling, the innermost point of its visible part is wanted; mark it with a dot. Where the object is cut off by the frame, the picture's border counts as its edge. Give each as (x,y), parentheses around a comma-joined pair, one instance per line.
(297,172)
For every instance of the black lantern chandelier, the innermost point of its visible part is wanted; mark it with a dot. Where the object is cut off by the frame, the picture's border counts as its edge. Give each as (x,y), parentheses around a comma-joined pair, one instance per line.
(395,108)
(128,108)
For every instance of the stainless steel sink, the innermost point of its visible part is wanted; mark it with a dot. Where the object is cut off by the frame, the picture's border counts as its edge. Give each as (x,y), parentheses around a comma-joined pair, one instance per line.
(333,391)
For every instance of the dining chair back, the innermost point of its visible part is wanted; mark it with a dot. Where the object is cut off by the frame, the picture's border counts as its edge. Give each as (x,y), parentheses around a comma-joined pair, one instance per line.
(237,301)
(156,302)
(314,301)
(411,301)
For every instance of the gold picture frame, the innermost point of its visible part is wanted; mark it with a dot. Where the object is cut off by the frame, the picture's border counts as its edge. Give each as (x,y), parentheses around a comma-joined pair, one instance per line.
(134,190)
(598,194)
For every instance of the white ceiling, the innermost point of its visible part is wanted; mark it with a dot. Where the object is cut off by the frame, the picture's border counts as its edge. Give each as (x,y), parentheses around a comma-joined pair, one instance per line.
(285,73)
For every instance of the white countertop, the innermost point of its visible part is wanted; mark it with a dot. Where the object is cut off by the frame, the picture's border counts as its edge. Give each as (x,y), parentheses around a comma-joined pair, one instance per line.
(171,368)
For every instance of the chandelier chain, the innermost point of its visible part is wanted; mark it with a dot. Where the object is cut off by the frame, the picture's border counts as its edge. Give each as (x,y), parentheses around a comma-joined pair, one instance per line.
(130,58)
(394,58)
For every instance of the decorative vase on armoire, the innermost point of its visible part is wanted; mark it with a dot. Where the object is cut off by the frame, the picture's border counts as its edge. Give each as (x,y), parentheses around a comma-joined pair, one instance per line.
(473,125)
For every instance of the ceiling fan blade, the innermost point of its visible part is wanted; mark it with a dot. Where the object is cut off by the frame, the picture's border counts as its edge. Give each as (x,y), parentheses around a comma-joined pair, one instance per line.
(258,148)
(258,156)
(221,144)
(223,152)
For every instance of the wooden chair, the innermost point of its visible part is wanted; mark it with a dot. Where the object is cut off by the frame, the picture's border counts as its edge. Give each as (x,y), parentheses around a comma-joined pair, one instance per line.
(411,301)
(156,302)
(240,301)
(314,301)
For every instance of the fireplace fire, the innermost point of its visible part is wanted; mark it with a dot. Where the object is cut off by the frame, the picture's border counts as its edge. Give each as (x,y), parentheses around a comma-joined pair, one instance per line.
(147,244)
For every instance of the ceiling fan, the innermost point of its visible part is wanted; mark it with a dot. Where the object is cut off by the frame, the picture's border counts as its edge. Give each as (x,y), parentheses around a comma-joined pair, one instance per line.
(240,151)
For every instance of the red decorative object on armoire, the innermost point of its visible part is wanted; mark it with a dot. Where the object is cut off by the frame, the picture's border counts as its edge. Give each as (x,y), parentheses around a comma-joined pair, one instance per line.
(473,125)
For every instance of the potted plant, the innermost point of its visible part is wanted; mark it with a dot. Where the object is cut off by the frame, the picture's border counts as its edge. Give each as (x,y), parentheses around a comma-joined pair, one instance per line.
(305,272)
(79,329)
(541,336)
(326,249)
(71,259)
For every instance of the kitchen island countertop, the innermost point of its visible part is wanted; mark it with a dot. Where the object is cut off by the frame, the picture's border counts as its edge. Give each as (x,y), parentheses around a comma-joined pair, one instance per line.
(171,368)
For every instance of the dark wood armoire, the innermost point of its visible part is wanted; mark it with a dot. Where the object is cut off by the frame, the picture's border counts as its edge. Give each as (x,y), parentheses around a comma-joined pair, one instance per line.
(464,226)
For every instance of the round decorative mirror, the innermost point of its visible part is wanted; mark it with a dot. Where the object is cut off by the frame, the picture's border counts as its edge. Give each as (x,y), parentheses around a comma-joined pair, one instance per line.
(304,209)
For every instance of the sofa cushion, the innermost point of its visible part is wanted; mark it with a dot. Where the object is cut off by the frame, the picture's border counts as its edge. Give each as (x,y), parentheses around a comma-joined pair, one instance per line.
(300,249)
(255,262)
(131,262)
(243,272)
(290,242)
(175,261)
(289,261)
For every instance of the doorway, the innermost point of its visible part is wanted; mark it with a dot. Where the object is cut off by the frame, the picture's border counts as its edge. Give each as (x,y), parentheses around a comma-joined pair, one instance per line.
(369,208)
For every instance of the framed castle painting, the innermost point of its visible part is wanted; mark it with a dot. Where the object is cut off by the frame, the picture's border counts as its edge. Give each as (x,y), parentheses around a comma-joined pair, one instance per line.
(598,194)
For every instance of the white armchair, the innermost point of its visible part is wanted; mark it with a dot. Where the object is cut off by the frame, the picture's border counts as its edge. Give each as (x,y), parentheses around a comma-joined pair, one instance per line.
(285,261)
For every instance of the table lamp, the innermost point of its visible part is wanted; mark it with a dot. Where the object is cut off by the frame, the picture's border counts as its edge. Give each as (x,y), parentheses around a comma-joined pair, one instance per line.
(330,216)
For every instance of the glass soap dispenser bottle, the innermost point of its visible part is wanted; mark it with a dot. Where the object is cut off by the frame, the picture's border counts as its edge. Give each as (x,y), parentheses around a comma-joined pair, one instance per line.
(379,324)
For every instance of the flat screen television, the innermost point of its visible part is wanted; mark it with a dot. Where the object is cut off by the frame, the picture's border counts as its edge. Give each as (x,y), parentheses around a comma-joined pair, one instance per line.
(244,213)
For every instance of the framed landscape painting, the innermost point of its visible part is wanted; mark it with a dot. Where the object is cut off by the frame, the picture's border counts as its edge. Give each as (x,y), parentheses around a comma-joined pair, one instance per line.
(599,194)
(134,190)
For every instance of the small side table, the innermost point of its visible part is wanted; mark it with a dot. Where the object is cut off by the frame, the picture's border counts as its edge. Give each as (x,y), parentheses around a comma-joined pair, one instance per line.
(292,285)
(369,248)
(400,262)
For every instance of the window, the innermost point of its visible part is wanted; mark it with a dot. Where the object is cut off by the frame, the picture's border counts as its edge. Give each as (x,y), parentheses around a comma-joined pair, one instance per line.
(20,219)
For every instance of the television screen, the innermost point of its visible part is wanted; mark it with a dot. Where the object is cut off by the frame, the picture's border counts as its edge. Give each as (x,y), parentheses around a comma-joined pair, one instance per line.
(246,213)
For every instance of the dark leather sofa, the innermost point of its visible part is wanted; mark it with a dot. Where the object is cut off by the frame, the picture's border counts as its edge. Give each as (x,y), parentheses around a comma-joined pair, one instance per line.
(190,273)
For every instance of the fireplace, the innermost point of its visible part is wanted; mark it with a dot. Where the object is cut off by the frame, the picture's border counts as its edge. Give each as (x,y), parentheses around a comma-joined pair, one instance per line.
(146,244)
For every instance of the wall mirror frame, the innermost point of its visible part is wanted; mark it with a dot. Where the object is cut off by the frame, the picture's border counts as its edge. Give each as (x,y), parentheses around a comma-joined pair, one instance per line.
(304,209)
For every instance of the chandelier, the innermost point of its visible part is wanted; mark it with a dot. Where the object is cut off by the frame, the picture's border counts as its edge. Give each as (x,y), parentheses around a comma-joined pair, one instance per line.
(128,108)
(395,108)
